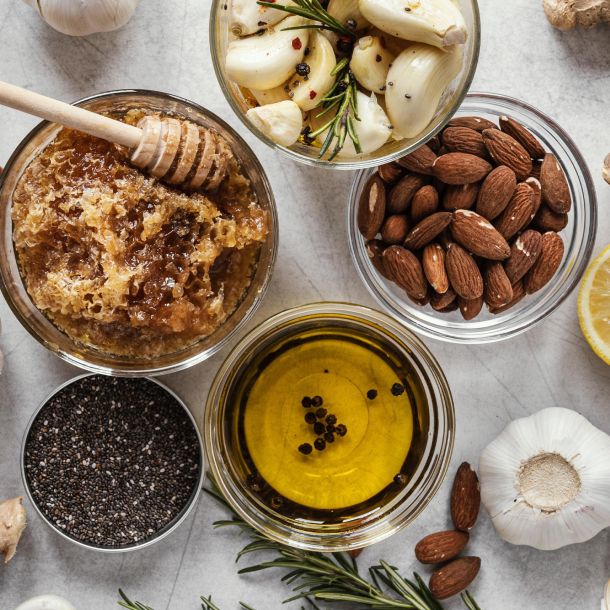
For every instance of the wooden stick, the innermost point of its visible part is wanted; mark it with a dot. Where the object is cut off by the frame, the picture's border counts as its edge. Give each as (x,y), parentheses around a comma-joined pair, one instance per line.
(70,116)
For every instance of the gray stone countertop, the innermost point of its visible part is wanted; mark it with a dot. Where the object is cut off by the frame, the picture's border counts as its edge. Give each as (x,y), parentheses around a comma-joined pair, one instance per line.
(165,47)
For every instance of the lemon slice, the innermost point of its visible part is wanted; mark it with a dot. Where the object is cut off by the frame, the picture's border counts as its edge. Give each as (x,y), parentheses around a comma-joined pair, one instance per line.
(594,305)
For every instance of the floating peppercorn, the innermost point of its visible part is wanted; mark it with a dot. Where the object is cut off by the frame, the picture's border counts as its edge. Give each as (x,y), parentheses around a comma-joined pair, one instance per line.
(331,419)
(319,428)
(371,394)
(310,417)
(329,437)
(317,401)
(305,448)
(306,402)
(321,413)
(253,482)
(330,428)
(305,133)
(400,479)
(320,444)
(341,429)
(397,389)
(277,502)
(303,69)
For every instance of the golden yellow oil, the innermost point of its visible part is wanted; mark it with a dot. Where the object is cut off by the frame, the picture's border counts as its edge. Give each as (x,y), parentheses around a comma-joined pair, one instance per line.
(365,384)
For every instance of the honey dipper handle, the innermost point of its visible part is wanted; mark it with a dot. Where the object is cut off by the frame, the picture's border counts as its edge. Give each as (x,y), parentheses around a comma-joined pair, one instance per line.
(70,116)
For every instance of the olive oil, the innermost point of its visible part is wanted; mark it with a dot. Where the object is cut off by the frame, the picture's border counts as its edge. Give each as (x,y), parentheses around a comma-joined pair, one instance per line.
(327,423)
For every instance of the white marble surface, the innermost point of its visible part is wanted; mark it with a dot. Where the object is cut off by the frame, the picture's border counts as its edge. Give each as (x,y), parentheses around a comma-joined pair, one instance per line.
(165,47)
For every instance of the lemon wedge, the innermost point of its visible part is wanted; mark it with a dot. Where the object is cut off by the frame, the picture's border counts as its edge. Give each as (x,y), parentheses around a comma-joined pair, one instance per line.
(594,305)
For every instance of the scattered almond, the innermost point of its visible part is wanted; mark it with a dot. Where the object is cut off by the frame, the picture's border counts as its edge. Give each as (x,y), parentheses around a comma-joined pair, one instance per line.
(441,546)
(465,498)
(454,577)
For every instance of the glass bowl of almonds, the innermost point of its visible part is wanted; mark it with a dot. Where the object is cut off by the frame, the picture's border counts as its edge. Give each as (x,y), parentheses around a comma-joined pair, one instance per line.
(481,233)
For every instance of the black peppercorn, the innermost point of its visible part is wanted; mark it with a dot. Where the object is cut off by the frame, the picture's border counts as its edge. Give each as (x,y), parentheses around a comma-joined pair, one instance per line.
(306,402)
(321,413)
(303,69)
(341,429)
(305,448)
(371,394)
(398,389)
(400,479)
(320,444)
(319,428)
(277,502)
(330,428)
(329,437)
(317,401)
(310,417)
(331,419)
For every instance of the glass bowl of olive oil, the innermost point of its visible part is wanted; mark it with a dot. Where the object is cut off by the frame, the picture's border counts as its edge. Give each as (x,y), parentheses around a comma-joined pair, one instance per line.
(329,427)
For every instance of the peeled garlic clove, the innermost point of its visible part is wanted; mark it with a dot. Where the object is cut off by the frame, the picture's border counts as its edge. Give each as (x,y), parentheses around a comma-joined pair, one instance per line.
(436,22)
(281,122)
(416,81)
(321,61)
(46,602)
(267,61)
(248,17)
(545,481)
(373,129)
(347,13)
(371,63)
(393,44)
(271,96)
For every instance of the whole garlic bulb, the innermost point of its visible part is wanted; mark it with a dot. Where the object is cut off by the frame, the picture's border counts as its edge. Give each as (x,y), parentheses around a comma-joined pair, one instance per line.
(46,602)
(84,17)
(545,481)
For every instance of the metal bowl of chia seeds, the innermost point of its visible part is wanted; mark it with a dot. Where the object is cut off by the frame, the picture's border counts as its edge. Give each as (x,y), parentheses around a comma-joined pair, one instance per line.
(112,464)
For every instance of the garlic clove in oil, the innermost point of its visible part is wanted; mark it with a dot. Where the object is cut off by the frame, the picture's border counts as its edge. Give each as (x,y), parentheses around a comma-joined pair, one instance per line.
(415,84)
(436,22)
(307,90)
(347,13)
(281,122)
(248,17)
(267,61)
(371,63)
(545,481)
(270,96)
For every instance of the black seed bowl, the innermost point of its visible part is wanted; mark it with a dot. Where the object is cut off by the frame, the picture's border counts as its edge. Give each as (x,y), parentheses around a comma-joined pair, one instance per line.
(105,496)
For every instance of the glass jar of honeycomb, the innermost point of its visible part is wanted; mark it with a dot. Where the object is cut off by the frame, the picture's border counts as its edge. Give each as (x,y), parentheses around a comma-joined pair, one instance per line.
(117,272)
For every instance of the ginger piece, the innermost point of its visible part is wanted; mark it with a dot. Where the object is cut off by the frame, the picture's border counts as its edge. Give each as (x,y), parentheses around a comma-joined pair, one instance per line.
(606,169)
(567,14)
(12,524)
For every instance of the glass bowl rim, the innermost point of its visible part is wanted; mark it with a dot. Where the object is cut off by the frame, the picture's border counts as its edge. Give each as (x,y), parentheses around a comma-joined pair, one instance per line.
(347,164)
(168,529)
(116,369)
(398,516)
(461,336)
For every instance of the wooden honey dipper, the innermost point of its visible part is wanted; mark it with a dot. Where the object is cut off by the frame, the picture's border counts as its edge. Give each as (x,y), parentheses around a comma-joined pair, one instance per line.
(177,152)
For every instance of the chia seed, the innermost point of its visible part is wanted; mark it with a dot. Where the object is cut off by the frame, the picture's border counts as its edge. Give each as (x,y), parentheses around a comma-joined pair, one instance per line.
(111,462)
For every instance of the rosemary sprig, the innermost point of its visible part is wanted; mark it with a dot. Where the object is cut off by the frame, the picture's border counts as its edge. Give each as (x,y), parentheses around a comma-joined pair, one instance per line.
(311,9)
(125,602)
(342,97)
(469,601)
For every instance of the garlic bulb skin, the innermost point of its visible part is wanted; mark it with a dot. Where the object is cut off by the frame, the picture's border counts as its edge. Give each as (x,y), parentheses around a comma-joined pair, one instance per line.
(85,16)
(248,17)
(347,12)
(267,61)
(281,122)
(46,602)
(436,22)
(415,84)
(545,481)
(371,63)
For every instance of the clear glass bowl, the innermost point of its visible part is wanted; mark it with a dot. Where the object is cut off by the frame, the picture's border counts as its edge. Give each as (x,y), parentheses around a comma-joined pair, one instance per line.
(379,521)
(88,357)
(221,36)
(578,236)
(160,535)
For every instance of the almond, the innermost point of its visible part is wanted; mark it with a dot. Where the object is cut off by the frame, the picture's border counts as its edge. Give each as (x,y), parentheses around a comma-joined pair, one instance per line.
(498,288)
(424,203)
(374,250)
(505,150)
(427,229)
(464,139)
(470,308)
(555,188)
(465,498)
(536,169)
(441,546)
(460,168)
(477,123)
(523,255)
(390,172)
(496,191)
(402,193)
(534,184)
(547,220)
(463,273)
(451,307)
(394,229)
(517,213)
(434,143)
(478,235)
(433,262)
(524,136)
(547,263)
(441,302)
(454,577)
(406,270)
(518,294)
(371,209)
(460,196)
(419,161)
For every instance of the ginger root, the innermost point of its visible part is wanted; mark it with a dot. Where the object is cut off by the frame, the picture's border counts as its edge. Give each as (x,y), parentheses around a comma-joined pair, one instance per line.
(12,524)
(606,170)
(567,14)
